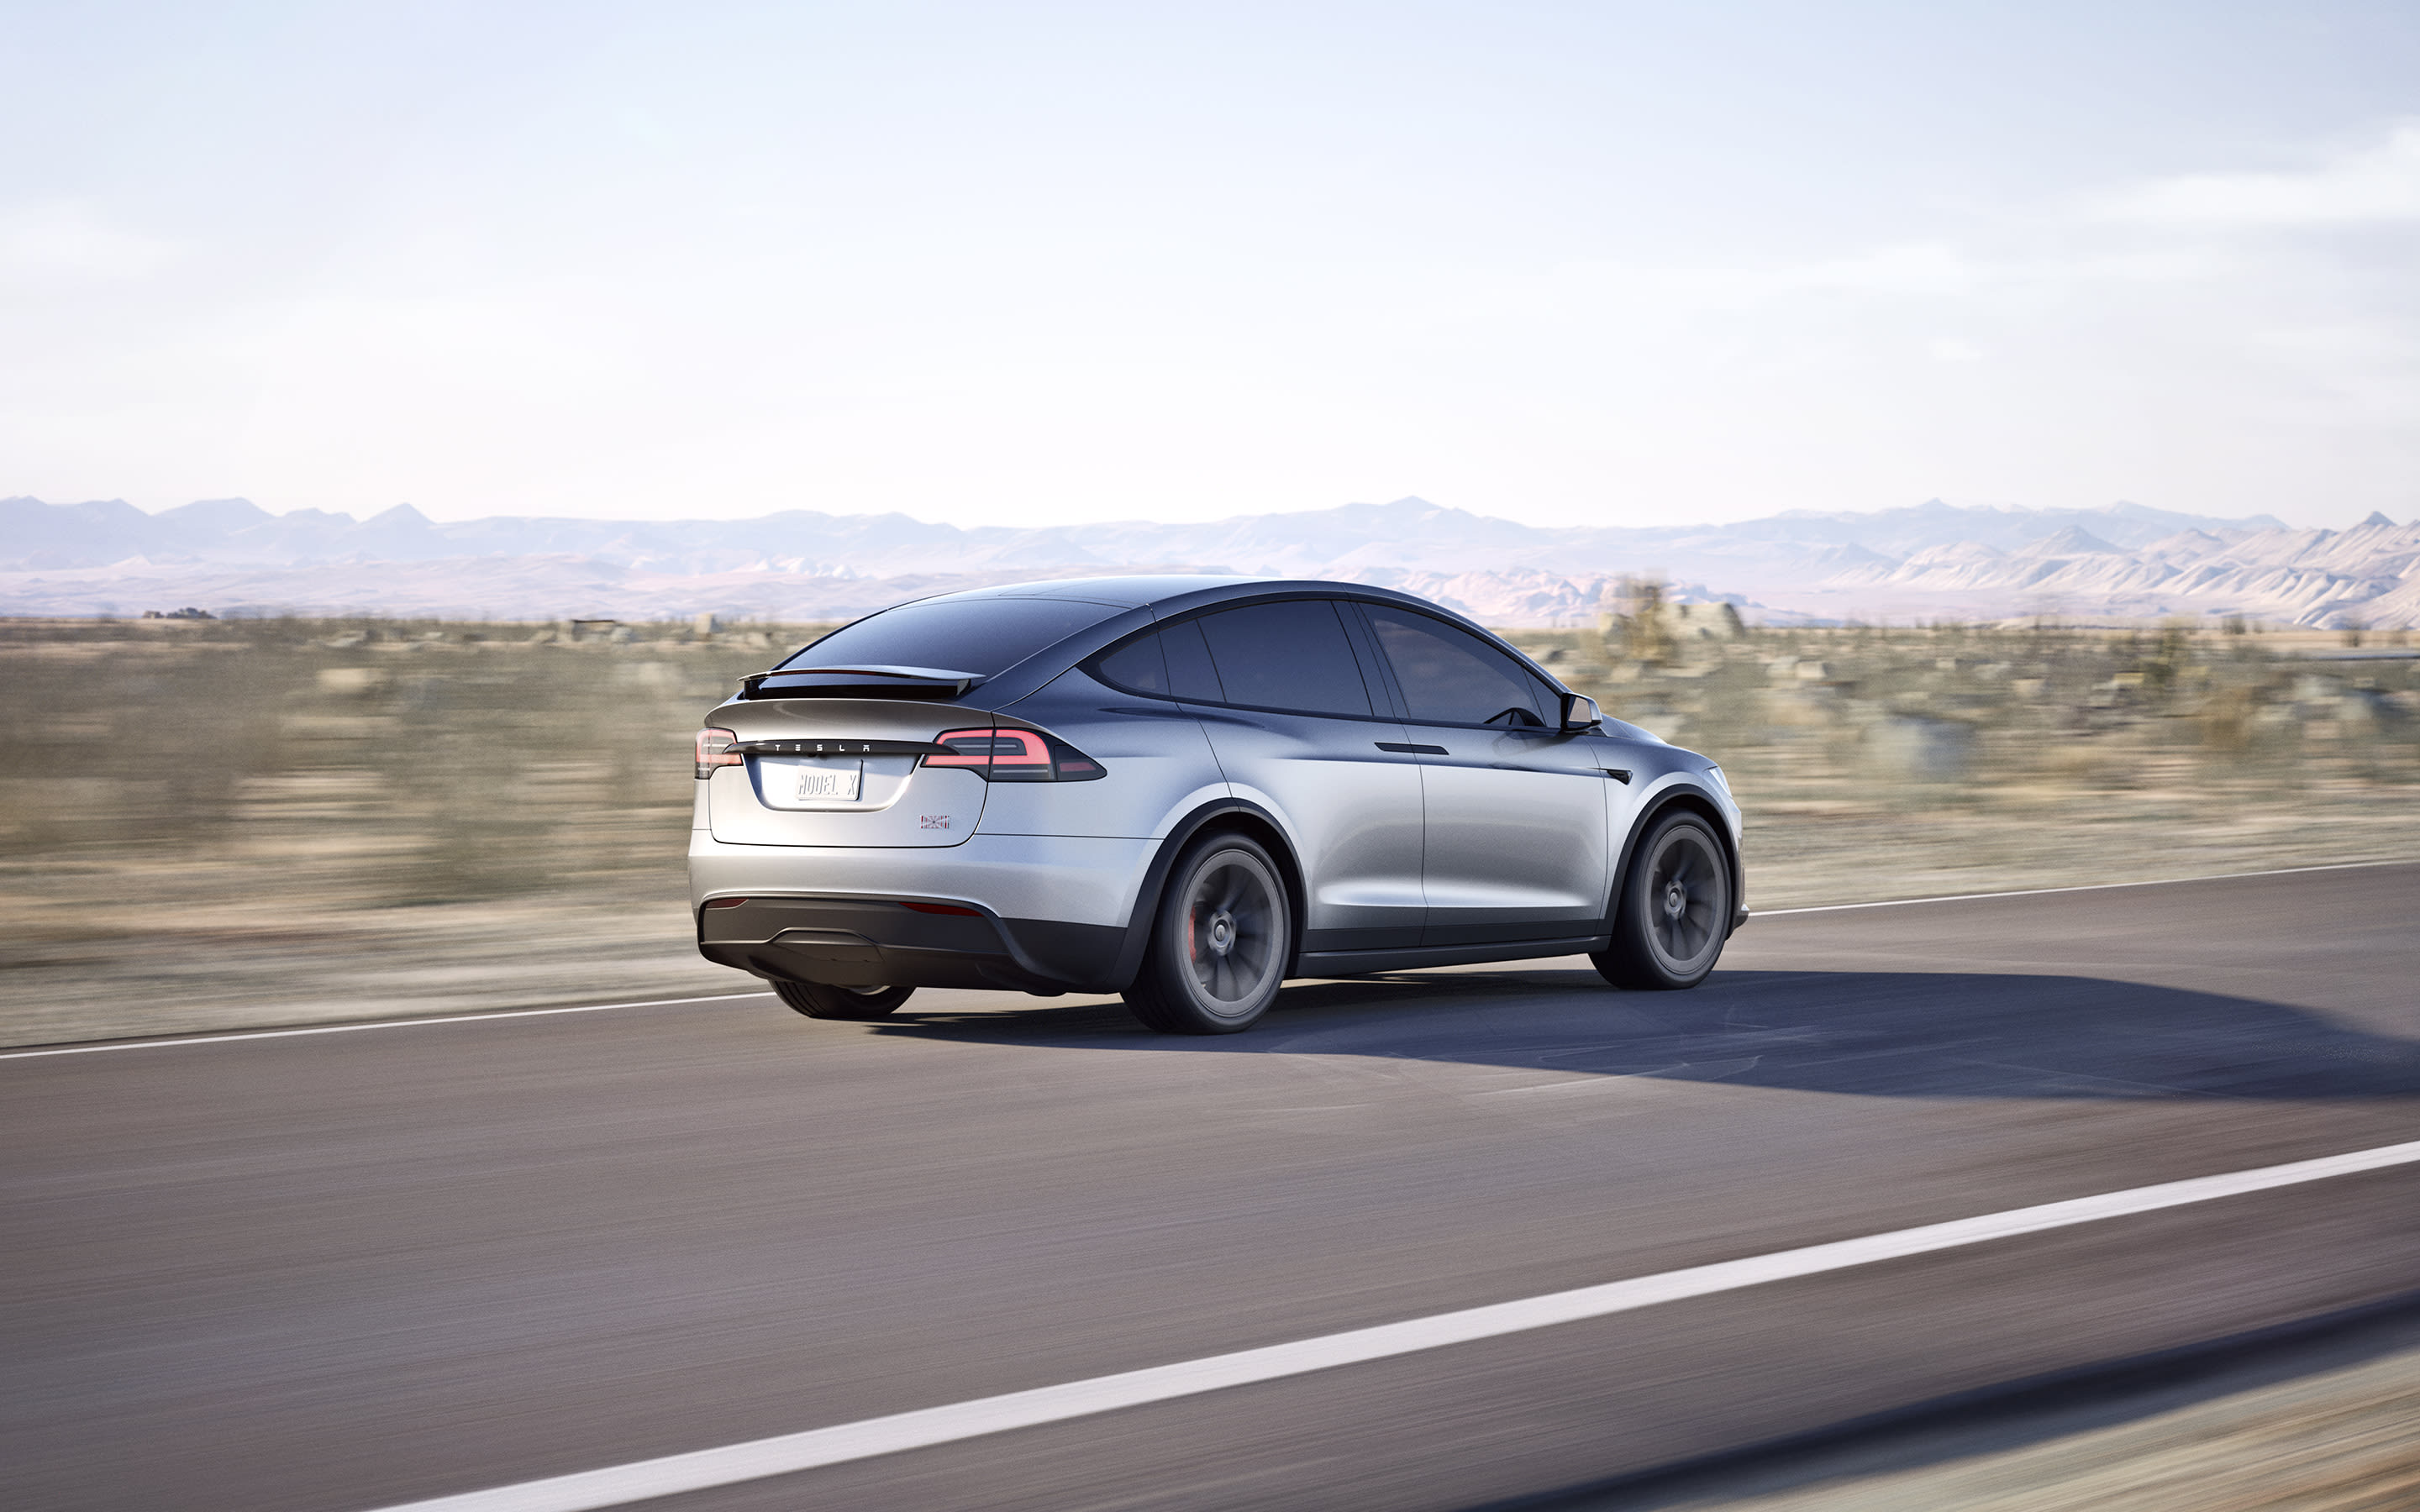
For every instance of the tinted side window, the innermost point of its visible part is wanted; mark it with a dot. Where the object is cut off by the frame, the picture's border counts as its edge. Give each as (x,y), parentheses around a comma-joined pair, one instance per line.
(1290,656)
(1451,676)
(1172,663)
(1189,671)
(1136,664)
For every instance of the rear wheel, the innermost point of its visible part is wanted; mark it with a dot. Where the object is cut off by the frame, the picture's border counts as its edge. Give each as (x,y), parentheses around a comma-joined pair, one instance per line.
(821,1001)
(1219,946)
(1674,910)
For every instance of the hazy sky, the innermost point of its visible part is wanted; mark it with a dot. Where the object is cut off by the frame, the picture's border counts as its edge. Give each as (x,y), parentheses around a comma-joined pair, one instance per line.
(1005,262)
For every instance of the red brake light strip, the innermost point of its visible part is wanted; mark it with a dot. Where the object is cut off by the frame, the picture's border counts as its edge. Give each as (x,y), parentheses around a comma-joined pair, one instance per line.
(1000,747)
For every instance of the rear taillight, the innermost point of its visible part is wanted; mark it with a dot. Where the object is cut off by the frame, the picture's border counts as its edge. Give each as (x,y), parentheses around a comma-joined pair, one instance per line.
(990,749)
(1015,756)
(714,749)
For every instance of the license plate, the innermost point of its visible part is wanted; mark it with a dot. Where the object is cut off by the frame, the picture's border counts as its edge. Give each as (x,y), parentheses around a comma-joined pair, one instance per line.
(837,782)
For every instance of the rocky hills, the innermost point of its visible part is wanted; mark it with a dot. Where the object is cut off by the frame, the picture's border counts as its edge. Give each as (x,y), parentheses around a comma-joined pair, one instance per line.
(1930,560)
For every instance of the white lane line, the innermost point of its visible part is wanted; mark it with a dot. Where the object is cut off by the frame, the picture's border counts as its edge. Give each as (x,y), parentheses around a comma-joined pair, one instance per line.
(2096,887)
(645,1479)
(354,1029)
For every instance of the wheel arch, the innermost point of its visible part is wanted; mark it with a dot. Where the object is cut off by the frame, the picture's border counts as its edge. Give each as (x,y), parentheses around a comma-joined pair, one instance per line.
(1679,798)
(1238,815)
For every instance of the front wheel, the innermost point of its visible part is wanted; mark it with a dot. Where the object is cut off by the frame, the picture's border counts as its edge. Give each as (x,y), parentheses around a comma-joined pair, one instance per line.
(821,1001)
(1221,943)
(1674,911)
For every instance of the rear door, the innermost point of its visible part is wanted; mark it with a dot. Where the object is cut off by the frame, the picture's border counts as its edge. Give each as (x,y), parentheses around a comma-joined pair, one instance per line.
(1517,842)
(1297,729)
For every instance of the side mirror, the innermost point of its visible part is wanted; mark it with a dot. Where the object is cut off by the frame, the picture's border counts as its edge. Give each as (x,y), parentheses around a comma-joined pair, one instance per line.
(1580,712)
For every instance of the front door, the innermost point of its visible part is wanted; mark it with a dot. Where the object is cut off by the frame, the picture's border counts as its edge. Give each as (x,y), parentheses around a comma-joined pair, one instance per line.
(1517,843)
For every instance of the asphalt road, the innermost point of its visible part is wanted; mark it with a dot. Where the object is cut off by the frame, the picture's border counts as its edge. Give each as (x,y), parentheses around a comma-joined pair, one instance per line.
(329,1274)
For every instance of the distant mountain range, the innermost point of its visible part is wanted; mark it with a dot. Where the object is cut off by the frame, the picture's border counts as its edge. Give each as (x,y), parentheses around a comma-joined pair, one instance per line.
(1928,561)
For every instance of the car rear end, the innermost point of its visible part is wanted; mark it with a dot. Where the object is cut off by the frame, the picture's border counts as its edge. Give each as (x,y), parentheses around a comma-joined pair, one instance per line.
(838,834)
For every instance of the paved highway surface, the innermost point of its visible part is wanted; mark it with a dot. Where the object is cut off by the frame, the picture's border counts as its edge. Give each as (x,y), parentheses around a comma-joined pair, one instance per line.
(335,1272)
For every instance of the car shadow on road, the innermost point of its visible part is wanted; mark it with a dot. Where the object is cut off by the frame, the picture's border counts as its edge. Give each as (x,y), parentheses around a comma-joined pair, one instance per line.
(1862,1033)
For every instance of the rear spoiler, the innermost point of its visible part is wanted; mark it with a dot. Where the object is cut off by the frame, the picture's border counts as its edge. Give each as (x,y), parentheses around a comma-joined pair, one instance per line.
(858,682)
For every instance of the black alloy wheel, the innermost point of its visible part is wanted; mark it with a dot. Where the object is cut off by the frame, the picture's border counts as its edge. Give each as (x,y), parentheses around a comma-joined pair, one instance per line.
(822,1000)
(1221,943)
(1674,911)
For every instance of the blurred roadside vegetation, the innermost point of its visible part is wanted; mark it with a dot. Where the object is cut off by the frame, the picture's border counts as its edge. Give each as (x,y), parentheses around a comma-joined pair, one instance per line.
(1891,763)
(206,823)
(260,821)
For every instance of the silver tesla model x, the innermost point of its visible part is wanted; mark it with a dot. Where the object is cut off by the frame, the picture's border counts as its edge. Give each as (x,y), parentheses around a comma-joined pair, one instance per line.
(1187,790)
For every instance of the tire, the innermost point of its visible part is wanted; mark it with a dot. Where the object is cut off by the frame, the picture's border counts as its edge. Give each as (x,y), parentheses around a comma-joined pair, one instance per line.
(1219,944)
(1673,911)
(821,1000)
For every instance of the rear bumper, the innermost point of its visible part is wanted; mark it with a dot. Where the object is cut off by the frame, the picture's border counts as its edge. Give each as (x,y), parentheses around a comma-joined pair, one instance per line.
(873,942)
(1051,912)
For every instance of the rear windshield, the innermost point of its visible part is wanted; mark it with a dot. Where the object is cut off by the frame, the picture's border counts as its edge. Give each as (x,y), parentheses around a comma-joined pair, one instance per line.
(982,636)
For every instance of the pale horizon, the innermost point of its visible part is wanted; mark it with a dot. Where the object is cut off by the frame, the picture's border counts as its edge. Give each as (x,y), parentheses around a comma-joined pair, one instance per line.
(365,515)
(1613,266)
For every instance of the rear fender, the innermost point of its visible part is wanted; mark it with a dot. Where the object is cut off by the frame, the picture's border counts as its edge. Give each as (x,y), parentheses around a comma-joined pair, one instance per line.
(1240,816)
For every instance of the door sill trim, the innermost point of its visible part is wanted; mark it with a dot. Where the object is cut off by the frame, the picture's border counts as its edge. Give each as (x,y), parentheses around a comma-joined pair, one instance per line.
(1361,963)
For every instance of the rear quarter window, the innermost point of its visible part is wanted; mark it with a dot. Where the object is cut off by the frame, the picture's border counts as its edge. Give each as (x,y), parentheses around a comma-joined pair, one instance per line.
(1170,663)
